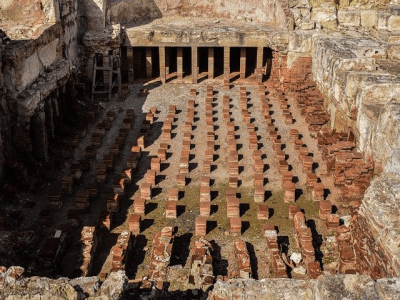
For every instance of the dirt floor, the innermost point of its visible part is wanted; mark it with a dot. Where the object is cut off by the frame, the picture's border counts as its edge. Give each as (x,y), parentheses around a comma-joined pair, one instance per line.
(188,206)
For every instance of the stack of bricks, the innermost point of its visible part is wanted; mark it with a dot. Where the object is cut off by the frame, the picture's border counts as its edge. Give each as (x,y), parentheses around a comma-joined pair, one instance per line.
(318,191)
(290,191)
(113,202)
(89,240)
(170,209)
(271,237)
(201,267)
(101,173)
(119,186)
(66,184)
(55,200)
(332,222)
(304,241)
(347,258)
(134,223)
(134,157)
(236,226)
(242,259)
(161,254)
(82,200)
(232,207)
(145,190)
(325,209)
(201,226)
(139,205)
(105,219)
(150,177)
(263,212)
(120,251)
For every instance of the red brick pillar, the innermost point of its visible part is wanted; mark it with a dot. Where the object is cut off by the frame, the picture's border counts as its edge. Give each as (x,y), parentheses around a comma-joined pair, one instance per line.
(260,52)
(211,63)
(149,63)
(162,65)
(195,69)
(180,63)
(227,69)
(167,57)
(242,63)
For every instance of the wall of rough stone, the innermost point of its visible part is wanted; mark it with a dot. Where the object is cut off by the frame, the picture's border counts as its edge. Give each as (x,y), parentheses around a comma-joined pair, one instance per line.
(362,91)
(375,229)
(33,69)
(136,11)
(13,285)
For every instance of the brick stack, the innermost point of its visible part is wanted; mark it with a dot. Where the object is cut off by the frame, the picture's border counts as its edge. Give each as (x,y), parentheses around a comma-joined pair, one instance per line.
(82,200)
(139,205)
(201,226)
(120,251)
(161,254)
(304,241)
(90,241)
(113,202)
(271,237)
(105,219)
(347,258)
(201,268)
(134,223)
(236,226)
(242,259)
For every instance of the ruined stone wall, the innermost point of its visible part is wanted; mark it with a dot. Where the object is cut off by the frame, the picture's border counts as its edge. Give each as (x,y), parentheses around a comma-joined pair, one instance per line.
(375,229)
(137,11)
(362,93)
(34,69)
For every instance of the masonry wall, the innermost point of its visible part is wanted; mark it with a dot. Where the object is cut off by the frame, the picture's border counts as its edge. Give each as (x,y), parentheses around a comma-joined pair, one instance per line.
(132,11)
(35,71)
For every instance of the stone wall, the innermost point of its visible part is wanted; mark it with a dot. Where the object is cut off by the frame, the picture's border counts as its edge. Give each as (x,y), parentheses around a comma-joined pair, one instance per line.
(32,71)
(362,92)
(325,287)
(138,11)
(13,285)
(375,229)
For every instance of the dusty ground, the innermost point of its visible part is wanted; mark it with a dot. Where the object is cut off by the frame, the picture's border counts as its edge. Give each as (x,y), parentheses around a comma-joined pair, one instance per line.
(188,206)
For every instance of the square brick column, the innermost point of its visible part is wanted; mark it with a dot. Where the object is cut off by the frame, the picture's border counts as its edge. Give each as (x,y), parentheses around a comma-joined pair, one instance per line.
(180,63)
(149,63)
(211,63)
(242,63)
(195,68)
(129,55)
(167,57)
(260,52)
(227,69)
(162,65)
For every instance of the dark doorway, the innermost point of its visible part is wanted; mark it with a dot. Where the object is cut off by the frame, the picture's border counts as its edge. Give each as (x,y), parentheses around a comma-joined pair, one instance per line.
(267,62)
(187,61)
(234,59)
(251,61)
(203,59)
(218,61)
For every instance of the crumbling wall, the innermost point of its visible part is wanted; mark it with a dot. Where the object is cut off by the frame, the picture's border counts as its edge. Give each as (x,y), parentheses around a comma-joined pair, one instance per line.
(137,11)
(375,229)
(35,70)
(325,287)
(361,92)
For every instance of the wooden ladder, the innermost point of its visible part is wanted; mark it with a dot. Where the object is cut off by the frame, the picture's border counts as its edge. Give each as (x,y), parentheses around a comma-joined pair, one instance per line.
(113,68)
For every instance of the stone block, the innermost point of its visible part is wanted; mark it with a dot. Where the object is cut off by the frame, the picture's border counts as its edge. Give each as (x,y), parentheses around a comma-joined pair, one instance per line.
(369,18)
